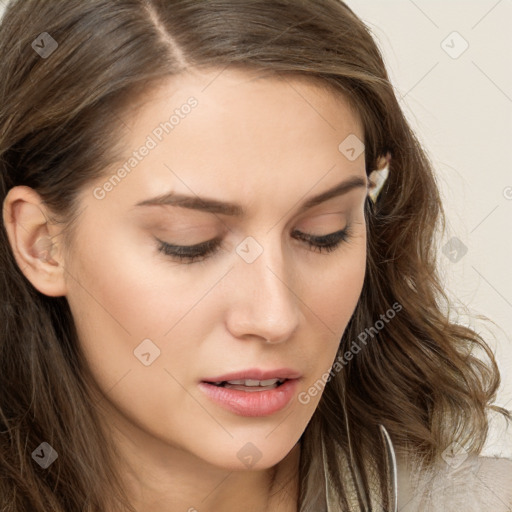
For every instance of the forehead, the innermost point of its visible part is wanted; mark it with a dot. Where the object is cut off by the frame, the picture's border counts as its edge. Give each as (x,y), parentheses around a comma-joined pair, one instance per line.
(238,87)
(249,134)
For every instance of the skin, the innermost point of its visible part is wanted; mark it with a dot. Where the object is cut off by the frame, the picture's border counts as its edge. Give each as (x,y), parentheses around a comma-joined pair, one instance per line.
(268,144)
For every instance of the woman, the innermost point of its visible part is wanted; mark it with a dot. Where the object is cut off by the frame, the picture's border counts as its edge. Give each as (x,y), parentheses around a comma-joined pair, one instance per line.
(210,299)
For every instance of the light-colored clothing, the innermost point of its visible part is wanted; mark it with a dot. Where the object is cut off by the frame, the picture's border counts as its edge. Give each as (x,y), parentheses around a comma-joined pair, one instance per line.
(457,483)
(479,484)
(464,483)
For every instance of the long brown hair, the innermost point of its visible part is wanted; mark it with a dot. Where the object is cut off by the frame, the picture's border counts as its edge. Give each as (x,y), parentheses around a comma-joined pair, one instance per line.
(418,376)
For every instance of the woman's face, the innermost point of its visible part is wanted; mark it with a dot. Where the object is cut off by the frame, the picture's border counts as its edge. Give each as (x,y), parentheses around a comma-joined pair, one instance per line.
(153,327)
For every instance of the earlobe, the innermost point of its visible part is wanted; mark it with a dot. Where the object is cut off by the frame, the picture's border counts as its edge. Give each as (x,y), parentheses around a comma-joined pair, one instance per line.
(32,240)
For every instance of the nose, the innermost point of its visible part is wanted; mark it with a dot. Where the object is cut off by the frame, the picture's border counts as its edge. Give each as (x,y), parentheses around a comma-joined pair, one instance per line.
(263,302)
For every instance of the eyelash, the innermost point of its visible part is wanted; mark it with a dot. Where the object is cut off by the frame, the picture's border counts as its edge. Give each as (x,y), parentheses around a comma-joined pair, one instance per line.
(192,253)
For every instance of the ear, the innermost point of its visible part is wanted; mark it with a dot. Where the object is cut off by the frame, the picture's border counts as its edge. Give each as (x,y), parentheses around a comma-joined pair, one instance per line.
(378,177)
(33,240)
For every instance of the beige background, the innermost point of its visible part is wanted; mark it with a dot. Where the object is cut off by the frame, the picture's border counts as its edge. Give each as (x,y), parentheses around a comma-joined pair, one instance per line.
(460,105)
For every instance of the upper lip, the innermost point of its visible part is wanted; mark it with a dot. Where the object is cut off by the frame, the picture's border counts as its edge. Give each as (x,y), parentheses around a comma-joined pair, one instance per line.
(256,374)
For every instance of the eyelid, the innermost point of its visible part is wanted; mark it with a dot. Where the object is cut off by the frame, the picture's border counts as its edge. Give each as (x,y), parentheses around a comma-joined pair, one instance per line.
(192,248)
(327,236)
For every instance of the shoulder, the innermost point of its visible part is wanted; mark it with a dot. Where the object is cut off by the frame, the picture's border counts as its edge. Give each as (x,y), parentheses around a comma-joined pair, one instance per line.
(471,484)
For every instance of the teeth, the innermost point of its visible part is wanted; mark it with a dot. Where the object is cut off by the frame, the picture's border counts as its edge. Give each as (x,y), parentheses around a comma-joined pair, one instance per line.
(251,382)
(269,382)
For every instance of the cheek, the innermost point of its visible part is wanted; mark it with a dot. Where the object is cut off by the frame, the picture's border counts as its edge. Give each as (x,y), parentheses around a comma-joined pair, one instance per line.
(122,298)
(333,291)
(124,283)
(332,295)
(118,299)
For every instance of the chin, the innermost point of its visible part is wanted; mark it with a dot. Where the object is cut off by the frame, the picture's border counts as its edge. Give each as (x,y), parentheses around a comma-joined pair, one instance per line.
(252,453)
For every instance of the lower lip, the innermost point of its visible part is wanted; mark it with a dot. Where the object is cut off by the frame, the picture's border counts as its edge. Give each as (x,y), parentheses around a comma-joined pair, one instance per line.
(252,403)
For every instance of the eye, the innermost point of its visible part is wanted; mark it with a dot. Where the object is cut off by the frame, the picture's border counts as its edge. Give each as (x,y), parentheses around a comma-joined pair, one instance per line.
(192,253)
(328,242)
(189,253)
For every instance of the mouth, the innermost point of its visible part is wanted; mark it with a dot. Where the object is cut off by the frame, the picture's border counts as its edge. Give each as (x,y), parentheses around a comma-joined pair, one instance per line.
(249,385)
(250,397)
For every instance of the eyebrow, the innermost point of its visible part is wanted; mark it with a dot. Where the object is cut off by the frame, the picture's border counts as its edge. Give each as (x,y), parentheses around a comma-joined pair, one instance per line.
(209,205)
